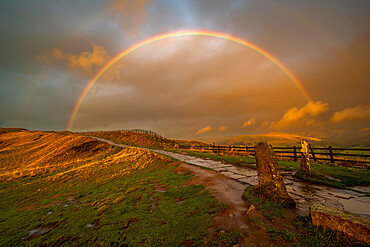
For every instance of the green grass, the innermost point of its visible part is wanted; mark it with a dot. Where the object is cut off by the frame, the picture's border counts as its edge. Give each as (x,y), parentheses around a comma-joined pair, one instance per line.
(226,239)
(299,232)
(233,159)
(269,209)
(310,235)
(274,234)
(349,176)
(149,206)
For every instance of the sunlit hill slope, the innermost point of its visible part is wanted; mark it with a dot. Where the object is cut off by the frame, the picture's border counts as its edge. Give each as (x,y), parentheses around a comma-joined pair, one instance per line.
(28,153)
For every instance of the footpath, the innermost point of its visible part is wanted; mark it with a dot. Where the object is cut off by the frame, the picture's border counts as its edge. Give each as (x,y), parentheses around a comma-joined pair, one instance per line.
(305,194)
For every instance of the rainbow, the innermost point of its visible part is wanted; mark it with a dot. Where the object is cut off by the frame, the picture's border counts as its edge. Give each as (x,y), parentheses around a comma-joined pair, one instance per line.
(204,33)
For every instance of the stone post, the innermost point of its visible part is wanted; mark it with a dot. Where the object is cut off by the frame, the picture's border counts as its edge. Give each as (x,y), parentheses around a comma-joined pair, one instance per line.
(270,180)
(305,166)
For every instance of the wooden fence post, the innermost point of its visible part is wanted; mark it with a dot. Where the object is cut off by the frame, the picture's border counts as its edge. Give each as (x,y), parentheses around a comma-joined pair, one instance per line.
(331,154)
(313,154)
(295,153)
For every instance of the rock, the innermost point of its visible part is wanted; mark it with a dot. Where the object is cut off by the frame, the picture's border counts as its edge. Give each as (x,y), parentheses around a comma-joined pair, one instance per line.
(251,208)
(305,166)
(339,220)
(270,180)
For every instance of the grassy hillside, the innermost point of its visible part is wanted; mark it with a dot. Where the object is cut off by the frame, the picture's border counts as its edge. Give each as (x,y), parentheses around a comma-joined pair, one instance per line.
(66,189)
(30,153)
(140,139)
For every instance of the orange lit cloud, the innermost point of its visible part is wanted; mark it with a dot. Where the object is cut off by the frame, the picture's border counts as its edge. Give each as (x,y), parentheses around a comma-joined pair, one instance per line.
(264,125)
(87,63)
(131,13)
(204,130)
(299,117)
(249,123)
(352,114)
(222,128)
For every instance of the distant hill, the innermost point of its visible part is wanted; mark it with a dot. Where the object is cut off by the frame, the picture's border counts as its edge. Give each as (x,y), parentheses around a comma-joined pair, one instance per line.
(349,137)
(339,137)
(273,138)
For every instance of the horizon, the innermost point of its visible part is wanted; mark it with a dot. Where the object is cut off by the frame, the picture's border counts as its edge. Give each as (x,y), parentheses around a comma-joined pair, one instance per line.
(345,137)
(188,70)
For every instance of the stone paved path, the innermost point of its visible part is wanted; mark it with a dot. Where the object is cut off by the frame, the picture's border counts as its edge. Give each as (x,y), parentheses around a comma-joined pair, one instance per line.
(305,194)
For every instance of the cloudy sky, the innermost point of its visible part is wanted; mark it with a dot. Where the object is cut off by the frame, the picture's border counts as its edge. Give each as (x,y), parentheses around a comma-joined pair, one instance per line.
(185,86)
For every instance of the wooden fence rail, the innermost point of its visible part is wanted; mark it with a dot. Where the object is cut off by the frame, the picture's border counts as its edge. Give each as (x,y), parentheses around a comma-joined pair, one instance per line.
(331,154)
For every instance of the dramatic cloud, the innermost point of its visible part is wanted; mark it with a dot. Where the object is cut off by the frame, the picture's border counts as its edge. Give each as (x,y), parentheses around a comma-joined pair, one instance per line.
(182,84)
(131,14)
(299,117)
(222,128)
(249,123)
(87,63)
(204,130)
(352,114)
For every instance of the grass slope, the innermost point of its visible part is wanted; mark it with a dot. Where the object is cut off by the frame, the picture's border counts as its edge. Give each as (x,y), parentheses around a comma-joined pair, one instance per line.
(88,193)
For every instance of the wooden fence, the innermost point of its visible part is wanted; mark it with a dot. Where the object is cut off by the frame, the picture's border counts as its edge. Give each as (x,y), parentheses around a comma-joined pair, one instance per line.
(143,131)
(330,154)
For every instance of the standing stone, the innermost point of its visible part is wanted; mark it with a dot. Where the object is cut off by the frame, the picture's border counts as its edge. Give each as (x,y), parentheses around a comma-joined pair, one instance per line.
(270,180)
(305,166)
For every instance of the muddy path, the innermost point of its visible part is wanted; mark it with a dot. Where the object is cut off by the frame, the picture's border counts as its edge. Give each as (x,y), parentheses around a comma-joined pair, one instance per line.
(235,217)
(225,190)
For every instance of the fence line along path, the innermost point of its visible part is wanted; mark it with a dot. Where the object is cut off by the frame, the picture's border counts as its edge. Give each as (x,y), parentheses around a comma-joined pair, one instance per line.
(358,155)
(305,194)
